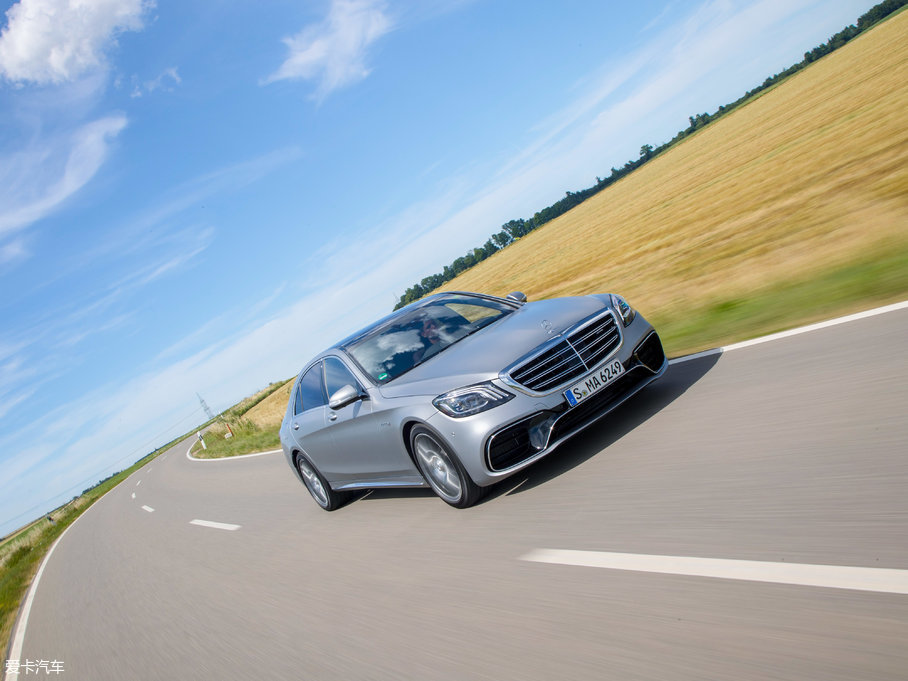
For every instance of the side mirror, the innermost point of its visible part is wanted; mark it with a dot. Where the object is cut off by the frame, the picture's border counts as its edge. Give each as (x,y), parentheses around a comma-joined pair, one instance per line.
(344,396)
(517,297)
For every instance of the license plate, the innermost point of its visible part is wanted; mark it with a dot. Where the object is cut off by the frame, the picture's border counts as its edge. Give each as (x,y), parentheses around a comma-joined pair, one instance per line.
(593,382)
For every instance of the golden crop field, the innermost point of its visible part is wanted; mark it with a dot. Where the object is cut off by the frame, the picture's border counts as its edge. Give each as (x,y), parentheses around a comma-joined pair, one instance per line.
(270,411)
(810,176)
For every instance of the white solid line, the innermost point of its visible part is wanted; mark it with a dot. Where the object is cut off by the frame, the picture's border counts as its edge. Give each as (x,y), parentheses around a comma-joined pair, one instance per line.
(21,623)
(794,332)
(217,526)
(884,580)
(15,651)
(229,458)
(148,508)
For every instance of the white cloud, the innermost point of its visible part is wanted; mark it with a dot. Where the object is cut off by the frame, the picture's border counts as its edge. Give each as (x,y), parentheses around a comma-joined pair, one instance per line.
(150,228)
(161,81)
(53,41)
(181,246)
(14,373)
(333,52)
(38,180)
(166,81)
(13,251)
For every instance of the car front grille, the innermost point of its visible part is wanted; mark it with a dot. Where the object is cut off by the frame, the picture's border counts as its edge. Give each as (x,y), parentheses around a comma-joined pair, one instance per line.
(570,357)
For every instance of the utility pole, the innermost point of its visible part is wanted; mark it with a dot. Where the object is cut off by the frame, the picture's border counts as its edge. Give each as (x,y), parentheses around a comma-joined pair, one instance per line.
(206,408)
(211,417)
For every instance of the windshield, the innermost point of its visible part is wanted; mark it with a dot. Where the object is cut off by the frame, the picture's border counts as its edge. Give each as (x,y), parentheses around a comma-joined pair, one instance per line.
(409,340)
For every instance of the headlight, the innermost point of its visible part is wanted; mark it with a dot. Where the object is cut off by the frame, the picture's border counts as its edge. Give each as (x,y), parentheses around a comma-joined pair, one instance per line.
(471,400)
(626,312)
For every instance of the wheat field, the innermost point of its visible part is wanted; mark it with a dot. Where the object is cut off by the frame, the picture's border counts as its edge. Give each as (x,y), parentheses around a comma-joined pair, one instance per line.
(808,176)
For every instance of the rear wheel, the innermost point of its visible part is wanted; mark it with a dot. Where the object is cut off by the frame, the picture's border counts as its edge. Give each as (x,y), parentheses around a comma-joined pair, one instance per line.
(318,487)
(442,470)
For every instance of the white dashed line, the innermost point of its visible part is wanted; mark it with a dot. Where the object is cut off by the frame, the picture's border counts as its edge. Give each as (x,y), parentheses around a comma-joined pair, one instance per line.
(138,483)
(133,495)
(829,576)
(217,526)
(148,508)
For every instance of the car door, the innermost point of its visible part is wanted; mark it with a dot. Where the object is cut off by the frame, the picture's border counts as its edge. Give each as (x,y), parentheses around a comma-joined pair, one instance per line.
(309,424)
(366,446)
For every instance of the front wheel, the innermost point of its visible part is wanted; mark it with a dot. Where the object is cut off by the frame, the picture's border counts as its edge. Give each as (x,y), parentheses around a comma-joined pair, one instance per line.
(442,470)
(318,487)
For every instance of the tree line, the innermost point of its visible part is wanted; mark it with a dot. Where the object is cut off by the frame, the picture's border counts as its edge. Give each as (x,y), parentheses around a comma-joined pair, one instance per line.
(515,229)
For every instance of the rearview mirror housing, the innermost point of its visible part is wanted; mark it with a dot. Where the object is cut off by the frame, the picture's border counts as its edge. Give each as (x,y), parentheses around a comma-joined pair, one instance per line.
(344,396)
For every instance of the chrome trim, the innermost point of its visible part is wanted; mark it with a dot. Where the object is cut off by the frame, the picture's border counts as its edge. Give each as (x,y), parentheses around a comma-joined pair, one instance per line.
(377,485)
(505,374)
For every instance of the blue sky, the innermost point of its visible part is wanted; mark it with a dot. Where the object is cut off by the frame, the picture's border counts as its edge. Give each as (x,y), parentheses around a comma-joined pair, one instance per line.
(195,197)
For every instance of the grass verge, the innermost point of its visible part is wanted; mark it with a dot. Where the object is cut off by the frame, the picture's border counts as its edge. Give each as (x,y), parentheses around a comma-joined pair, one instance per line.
(248,438)
(876,279)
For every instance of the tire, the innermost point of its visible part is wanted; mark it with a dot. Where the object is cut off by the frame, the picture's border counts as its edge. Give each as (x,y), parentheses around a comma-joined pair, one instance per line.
(318,487)
(442,470)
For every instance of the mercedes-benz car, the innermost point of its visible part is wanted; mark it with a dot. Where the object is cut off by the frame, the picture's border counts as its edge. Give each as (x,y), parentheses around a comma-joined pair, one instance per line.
(461,390)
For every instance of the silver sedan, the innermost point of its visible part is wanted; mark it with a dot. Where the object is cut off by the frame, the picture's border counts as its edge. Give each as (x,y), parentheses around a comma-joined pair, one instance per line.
(461,390)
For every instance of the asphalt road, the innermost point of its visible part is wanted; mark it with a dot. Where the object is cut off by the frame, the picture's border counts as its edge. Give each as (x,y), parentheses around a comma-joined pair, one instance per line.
(793,451)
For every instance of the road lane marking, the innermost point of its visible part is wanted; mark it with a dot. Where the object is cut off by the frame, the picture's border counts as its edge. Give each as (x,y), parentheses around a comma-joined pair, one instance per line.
(217,526)
(133,495)
(229,458)
(15,651)
(148,508)
(794,332)
(21,623)
(882,580)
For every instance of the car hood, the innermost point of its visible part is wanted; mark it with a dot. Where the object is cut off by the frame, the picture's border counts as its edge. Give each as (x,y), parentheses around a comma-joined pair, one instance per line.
(483,355)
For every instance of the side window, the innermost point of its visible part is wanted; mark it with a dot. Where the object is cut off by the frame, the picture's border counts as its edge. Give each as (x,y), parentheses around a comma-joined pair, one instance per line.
(337,375)
(298,399)
(311,393)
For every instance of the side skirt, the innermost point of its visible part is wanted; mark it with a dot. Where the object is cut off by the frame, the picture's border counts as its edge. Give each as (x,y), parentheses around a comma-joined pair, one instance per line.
(376,484)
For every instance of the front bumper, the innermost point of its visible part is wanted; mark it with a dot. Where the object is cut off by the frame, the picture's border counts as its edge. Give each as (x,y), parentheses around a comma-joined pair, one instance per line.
(496,444)
(522,442)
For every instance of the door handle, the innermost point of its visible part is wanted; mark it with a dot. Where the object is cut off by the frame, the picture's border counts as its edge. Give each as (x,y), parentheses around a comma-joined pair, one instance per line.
(296,426)
(332,416)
